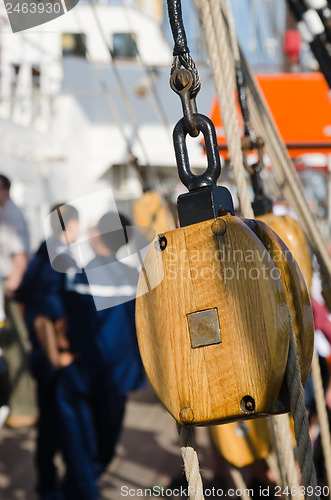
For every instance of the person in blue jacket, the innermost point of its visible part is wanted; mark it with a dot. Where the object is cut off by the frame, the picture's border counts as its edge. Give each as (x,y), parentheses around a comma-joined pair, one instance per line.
(44,314)
(91,392)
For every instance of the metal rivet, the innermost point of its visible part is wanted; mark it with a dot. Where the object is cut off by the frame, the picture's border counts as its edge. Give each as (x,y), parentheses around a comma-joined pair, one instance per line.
(181,80)
(186,415)
(218,227)
(161,243)
(247,404)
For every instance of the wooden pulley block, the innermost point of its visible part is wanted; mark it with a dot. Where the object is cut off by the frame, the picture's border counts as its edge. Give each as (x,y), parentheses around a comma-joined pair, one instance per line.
(292,235)
(149,212)
(244,442)
(213,327)
(295,289)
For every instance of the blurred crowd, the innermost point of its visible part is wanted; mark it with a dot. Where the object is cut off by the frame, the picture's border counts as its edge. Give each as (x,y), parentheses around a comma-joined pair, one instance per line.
(84,358)
(81,327)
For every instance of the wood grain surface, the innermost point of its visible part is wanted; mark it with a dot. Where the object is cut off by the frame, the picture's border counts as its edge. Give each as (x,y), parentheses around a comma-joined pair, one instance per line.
(243,443)
(149,212)
(243,446)
(292,235)
(234,273)
(296,292)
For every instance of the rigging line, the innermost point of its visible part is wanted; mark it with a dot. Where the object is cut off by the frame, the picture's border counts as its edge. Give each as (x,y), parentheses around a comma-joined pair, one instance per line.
(254,22)
(153,95)
(122,89)
(117,75)
(154,179)
(273,18)
(181,52)
(104,87)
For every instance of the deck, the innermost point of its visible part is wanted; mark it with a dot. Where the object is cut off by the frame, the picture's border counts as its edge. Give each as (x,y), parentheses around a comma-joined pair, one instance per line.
(147,455)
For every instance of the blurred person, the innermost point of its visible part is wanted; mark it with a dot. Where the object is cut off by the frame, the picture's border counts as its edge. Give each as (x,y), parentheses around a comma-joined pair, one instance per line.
(44,314)
(14,252)
(91,392)
(14,239)
(4,375)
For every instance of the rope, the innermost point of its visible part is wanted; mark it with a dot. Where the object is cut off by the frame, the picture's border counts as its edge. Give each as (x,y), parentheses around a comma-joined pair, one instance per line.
(285,172)
(239,482)
(221,62)
(191,462)
(301,426)
(241,83)
(322,416)
(177,27)
(104,88)
(153,94)
(272,462)
(181,51)
(155,181)
(280,423)
(232,30)
(282,437)
(224,85)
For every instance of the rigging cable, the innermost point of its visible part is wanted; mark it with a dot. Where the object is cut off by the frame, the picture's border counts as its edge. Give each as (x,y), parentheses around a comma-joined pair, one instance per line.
(156,182)
(105,90)
(153,95)
(216,23)
(279,424)
(224,78)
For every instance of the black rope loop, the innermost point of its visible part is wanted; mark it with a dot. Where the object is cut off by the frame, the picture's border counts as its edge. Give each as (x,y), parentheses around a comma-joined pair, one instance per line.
(181,51)
(177,27)
(213,171)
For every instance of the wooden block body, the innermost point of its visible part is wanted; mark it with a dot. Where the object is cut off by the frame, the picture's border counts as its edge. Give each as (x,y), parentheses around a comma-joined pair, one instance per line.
(243,443)
(229,272)
(148,212)
(296,292)
(292,235)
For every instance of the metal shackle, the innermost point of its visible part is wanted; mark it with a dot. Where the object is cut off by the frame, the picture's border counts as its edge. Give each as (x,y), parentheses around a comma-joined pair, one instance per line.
(213,171)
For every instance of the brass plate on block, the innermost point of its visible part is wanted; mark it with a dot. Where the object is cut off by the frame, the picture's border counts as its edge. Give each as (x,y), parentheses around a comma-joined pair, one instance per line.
(204,328)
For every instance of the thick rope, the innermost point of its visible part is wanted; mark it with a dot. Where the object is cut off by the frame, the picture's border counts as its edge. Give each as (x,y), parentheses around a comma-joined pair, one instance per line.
(322,415)
(280,423)
(285,172)
(239,482)
(129,108)
(220,62)
(191,462)
(301,426)
(232,30)
(280,429)
(224,77)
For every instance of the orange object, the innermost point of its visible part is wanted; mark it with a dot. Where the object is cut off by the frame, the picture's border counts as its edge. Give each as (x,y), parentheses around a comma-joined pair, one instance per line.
(292,235)
(301,107)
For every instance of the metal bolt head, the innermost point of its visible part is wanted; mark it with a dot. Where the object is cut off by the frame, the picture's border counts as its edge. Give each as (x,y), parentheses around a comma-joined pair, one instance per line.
(162,242)
(181,80)
(247,404)
(186,415)
(218,227)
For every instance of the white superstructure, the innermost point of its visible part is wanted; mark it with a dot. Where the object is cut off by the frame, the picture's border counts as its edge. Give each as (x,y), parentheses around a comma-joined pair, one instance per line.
(66,110)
